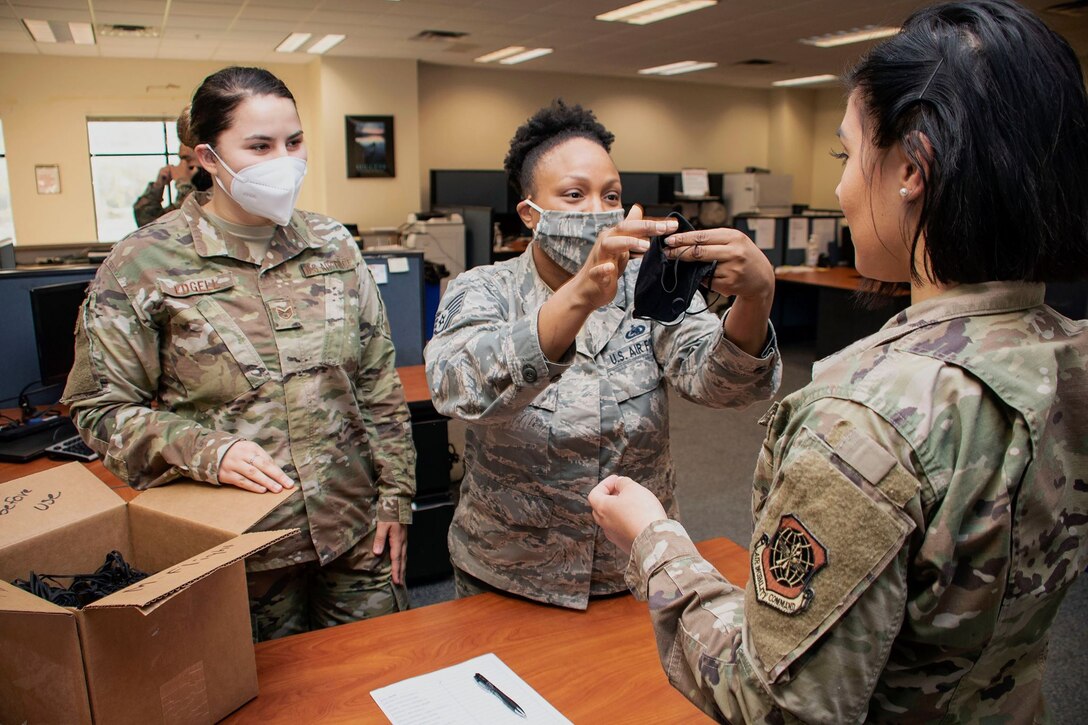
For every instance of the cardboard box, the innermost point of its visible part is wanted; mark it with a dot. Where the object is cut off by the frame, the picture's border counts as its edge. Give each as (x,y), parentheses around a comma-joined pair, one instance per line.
(173,648)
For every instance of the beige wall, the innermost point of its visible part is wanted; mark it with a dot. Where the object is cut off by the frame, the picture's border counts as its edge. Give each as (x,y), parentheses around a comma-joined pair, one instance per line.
(446,117)
(44,105)
(792,113)
(359,86)
(830,104)
(467,116)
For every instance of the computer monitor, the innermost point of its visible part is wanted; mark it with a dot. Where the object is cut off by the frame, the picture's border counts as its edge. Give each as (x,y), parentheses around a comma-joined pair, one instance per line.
(639,188)
(456,187)
(7,254)
(55,309)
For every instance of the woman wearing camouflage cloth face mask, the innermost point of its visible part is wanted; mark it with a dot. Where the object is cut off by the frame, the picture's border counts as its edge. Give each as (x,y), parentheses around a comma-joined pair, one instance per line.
(557,380)
(241,342)
(920,506)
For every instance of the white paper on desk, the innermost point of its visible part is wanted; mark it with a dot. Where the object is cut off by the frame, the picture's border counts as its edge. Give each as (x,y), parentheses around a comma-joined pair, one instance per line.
(762,232)
(798,238)
(694,182)
(450,696)
(379,272)
(824,229)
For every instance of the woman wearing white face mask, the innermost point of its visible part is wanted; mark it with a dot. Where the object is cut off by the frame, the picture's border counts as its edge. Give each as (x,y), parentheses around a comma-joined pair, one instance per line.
(241,342)
(560,383)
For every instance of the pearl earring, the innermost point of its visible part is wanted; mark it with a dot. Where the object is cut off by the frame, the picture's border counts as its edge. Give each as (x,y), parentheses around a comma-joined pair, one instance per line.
(903,192)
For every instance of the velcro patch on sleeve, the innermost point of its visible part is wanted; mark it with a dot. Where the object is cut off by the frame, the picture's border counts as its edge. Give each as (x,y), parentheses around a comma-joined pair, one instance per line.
(821,540)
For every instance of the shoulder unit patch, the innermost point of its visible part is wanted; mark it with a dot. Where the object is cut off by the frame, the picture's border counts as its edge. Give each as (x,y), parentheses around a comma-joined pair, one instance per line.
(783,566)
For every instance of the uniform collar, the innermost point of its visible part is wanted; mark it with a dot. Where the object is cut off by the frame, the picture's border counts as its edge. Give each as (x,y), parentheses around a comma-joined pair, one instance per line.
(209,240)
(967,300)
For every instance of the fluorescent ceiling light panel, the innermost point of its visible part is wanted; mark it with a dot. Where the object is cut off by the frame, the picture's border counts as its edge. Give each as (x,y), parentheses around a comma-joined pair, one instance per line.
(845,37)
(40,30)
(672,69)
(326,44)
(806,81)
(527,55)
(500,54)
(689,69)
(293,42)
(82,33)
(651,11)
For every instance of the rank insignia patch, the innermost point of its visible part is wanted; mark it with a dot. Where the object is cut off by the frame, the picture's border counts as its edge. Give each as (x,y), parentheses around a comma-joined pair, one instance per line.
(283,314)
(783,566)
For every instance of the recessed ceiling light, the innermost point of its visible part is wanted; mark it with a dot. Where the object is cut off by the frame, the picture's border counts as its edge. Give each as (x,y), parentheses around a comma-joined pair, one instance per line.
(672,69)
(499,54)
(82,33)
(40,30)
(806,81)
(651,11)
(326,44)
(845,37)
(293,42)
(527,55)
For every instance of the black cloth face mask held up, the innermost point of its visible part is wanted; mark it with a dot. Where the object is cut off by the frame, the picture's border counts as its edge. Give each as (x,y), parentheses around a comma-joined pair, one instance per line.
(664,287)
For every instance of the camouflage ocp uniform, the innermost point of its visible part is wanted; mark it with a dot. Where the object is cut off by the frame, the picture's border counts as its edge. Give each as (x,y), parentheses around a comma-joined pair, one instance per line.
(188,345)
(541,434)
(149,206)
(919,512)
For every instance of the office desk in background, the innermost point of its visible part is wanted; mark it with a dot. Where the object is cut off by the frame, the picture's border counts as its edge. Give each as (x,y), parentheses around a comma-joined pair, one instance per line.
(821,304)
(597,666)
(412,378)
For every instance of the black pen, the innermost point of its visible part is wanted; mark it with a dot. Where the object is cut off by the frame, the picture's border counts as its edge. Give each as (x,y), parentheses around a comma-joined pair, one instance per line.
(486,684)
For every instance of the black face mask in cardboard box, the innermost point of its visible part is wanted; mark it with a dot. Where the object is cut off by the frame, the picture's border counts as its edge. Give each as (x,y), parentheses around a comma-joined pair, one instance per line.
(665,287)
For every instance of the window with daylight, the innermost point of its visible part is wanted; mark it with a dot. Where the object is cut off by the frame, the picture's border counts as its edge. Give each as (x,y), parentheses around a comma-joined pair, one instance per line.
(7,226)
(126,155)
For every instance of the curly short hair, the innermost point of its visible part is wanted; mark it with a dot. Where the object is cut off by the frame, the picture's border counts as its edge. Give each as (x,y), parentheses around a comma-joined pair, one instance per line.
(543,131)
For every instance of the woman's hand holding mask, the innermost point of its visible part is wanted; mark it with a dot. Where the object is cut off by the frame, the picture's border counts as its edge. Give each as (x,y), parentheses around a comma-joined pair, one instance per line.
(742,270)
(596,282)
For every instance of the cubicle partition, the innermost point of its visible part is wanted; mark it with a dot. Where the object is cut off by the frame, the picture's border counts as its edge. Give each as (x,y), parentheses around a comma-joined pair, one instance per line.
(784,239)
(399,275)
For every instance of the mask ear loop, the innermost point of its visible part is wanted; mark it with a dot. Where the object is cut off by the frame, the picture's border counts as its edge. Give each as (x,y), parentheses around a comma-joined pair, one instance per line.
(674,265)
(676,281)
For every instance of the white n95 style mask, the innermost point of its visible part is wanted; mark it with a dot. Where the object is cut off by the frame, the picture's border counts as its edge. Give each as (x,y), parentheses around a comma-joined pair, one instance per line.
(268,189)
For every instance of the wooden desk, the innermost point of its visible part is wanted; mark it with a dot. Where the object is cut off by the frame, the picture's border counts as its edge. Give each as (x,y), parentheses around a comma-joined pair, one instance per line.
(413,378)
(597,666)
(821,303)
(845,278)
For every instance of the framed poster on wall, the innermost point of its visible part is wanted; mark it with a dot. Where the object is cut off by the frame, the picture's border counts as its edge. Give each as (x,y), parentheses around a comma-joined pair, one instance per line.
(370,149)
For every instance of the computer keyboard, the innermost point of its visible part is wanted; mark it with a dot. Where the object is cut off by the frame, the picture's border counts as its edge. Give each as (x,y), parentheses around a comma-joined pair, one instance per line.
(73,447)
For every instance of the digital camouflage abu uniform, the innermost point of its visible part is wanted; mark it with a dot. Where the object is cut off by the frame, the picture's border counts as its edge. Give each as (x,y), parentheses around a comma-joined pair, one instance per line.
(292,352)
(918,508)
(541,435)
(149,206)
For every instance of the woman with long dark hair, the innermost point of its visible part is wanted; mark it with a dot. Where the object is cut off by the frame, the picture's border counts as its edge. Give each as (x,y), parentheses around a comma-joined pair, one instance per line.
(920,506)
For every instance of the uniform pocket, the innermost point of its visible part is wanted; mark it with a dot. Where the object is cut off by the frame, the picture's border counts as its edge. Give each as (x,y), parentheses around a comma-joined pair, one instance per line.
(210,356)
(338,317)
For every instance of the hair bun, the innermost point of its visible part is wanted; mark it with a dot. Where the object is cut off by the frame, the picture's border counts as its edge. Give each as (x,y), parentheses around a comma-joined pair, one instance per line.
(185,133)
